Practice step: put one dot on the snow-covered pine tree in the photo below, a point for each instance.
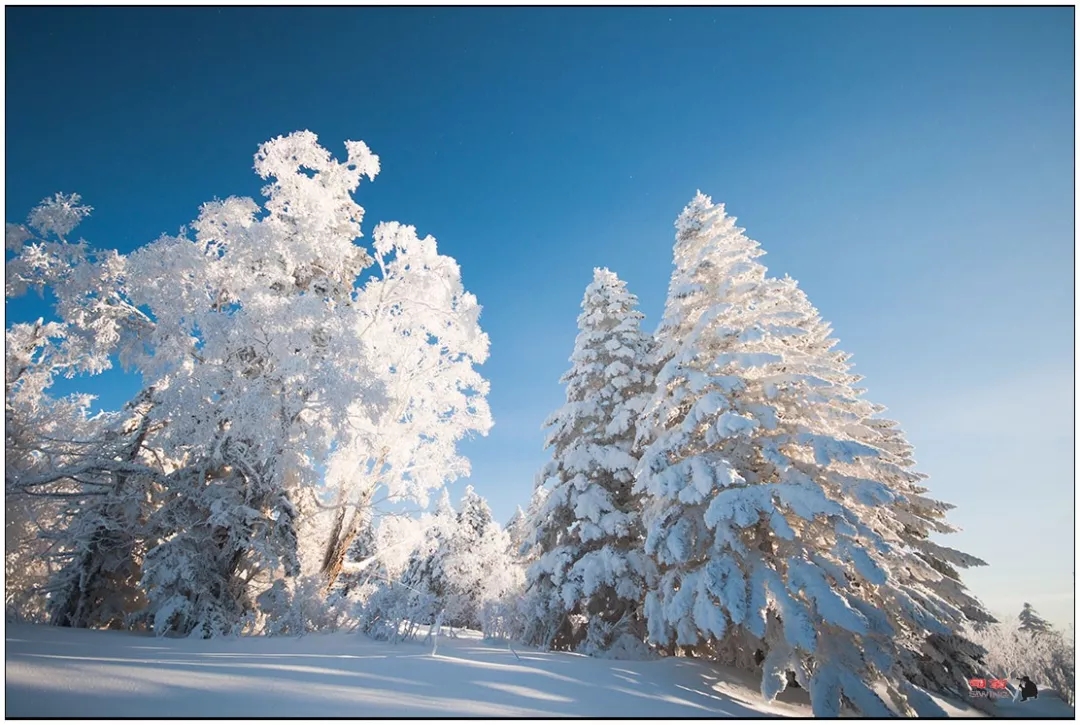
(517, 530)
(772, 522)
(587, 531)
(1031, 622)
(479, 566)
(424, 583)
(466, 561)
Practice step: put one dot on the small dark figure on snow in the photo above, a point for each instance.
(1028, 689)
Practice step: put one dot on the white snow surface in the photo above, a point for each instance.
(60, 672)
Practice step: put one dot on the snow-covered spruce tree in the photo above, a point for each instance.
(772, 522)
(1030, 621)
(517, 530)
(463, 566)
(588, 532)
(269, 364)
(539, 614)
(467, 561)
(940, 661)
(479, 567)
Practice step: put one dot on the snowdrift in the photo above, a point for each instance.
(55, 672)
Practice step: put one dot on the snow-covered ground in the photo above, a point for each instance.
(53, 672)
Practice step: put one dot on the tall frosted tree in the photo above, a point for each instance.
(940, 660)
(773, 511)
(587, 528)
(275, 364)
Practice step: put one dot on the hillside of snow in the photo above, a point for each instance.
(55, 672)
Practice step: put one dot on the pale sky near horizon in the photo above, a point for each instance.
(913, 168)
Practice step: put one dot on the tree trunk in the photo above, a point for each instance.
(341, 539)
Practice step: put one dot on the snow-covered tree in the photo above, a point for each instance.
(363, 548)
(1030, 621)
(422, 330)
(587, 532)
(103, 544)
(464, 563)
(940, 661)
(45, 440)
(459, 574)
(774, 512)
(272, 369)
(481, 568)
(76, 501)
(517, 530)
(417, 595)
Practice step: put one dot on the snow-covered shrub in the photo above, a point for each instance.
(295, 606)
(503, 618)
(397, 612)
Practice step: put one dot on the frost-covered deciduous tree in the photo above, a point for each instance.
(587, 532)
(49, 442)
(422, 331)
(102, 545)
(272, 367)
(76, 488)
(774, 513)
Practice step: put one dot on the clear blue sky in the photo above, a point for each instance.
(912, 167)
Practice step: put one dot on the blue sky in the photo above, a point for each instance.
(911, 167)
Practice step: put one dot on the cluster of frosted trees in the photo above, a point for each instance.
(722, 489)
(292, 381)
(460, 572)
(1029, 646)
